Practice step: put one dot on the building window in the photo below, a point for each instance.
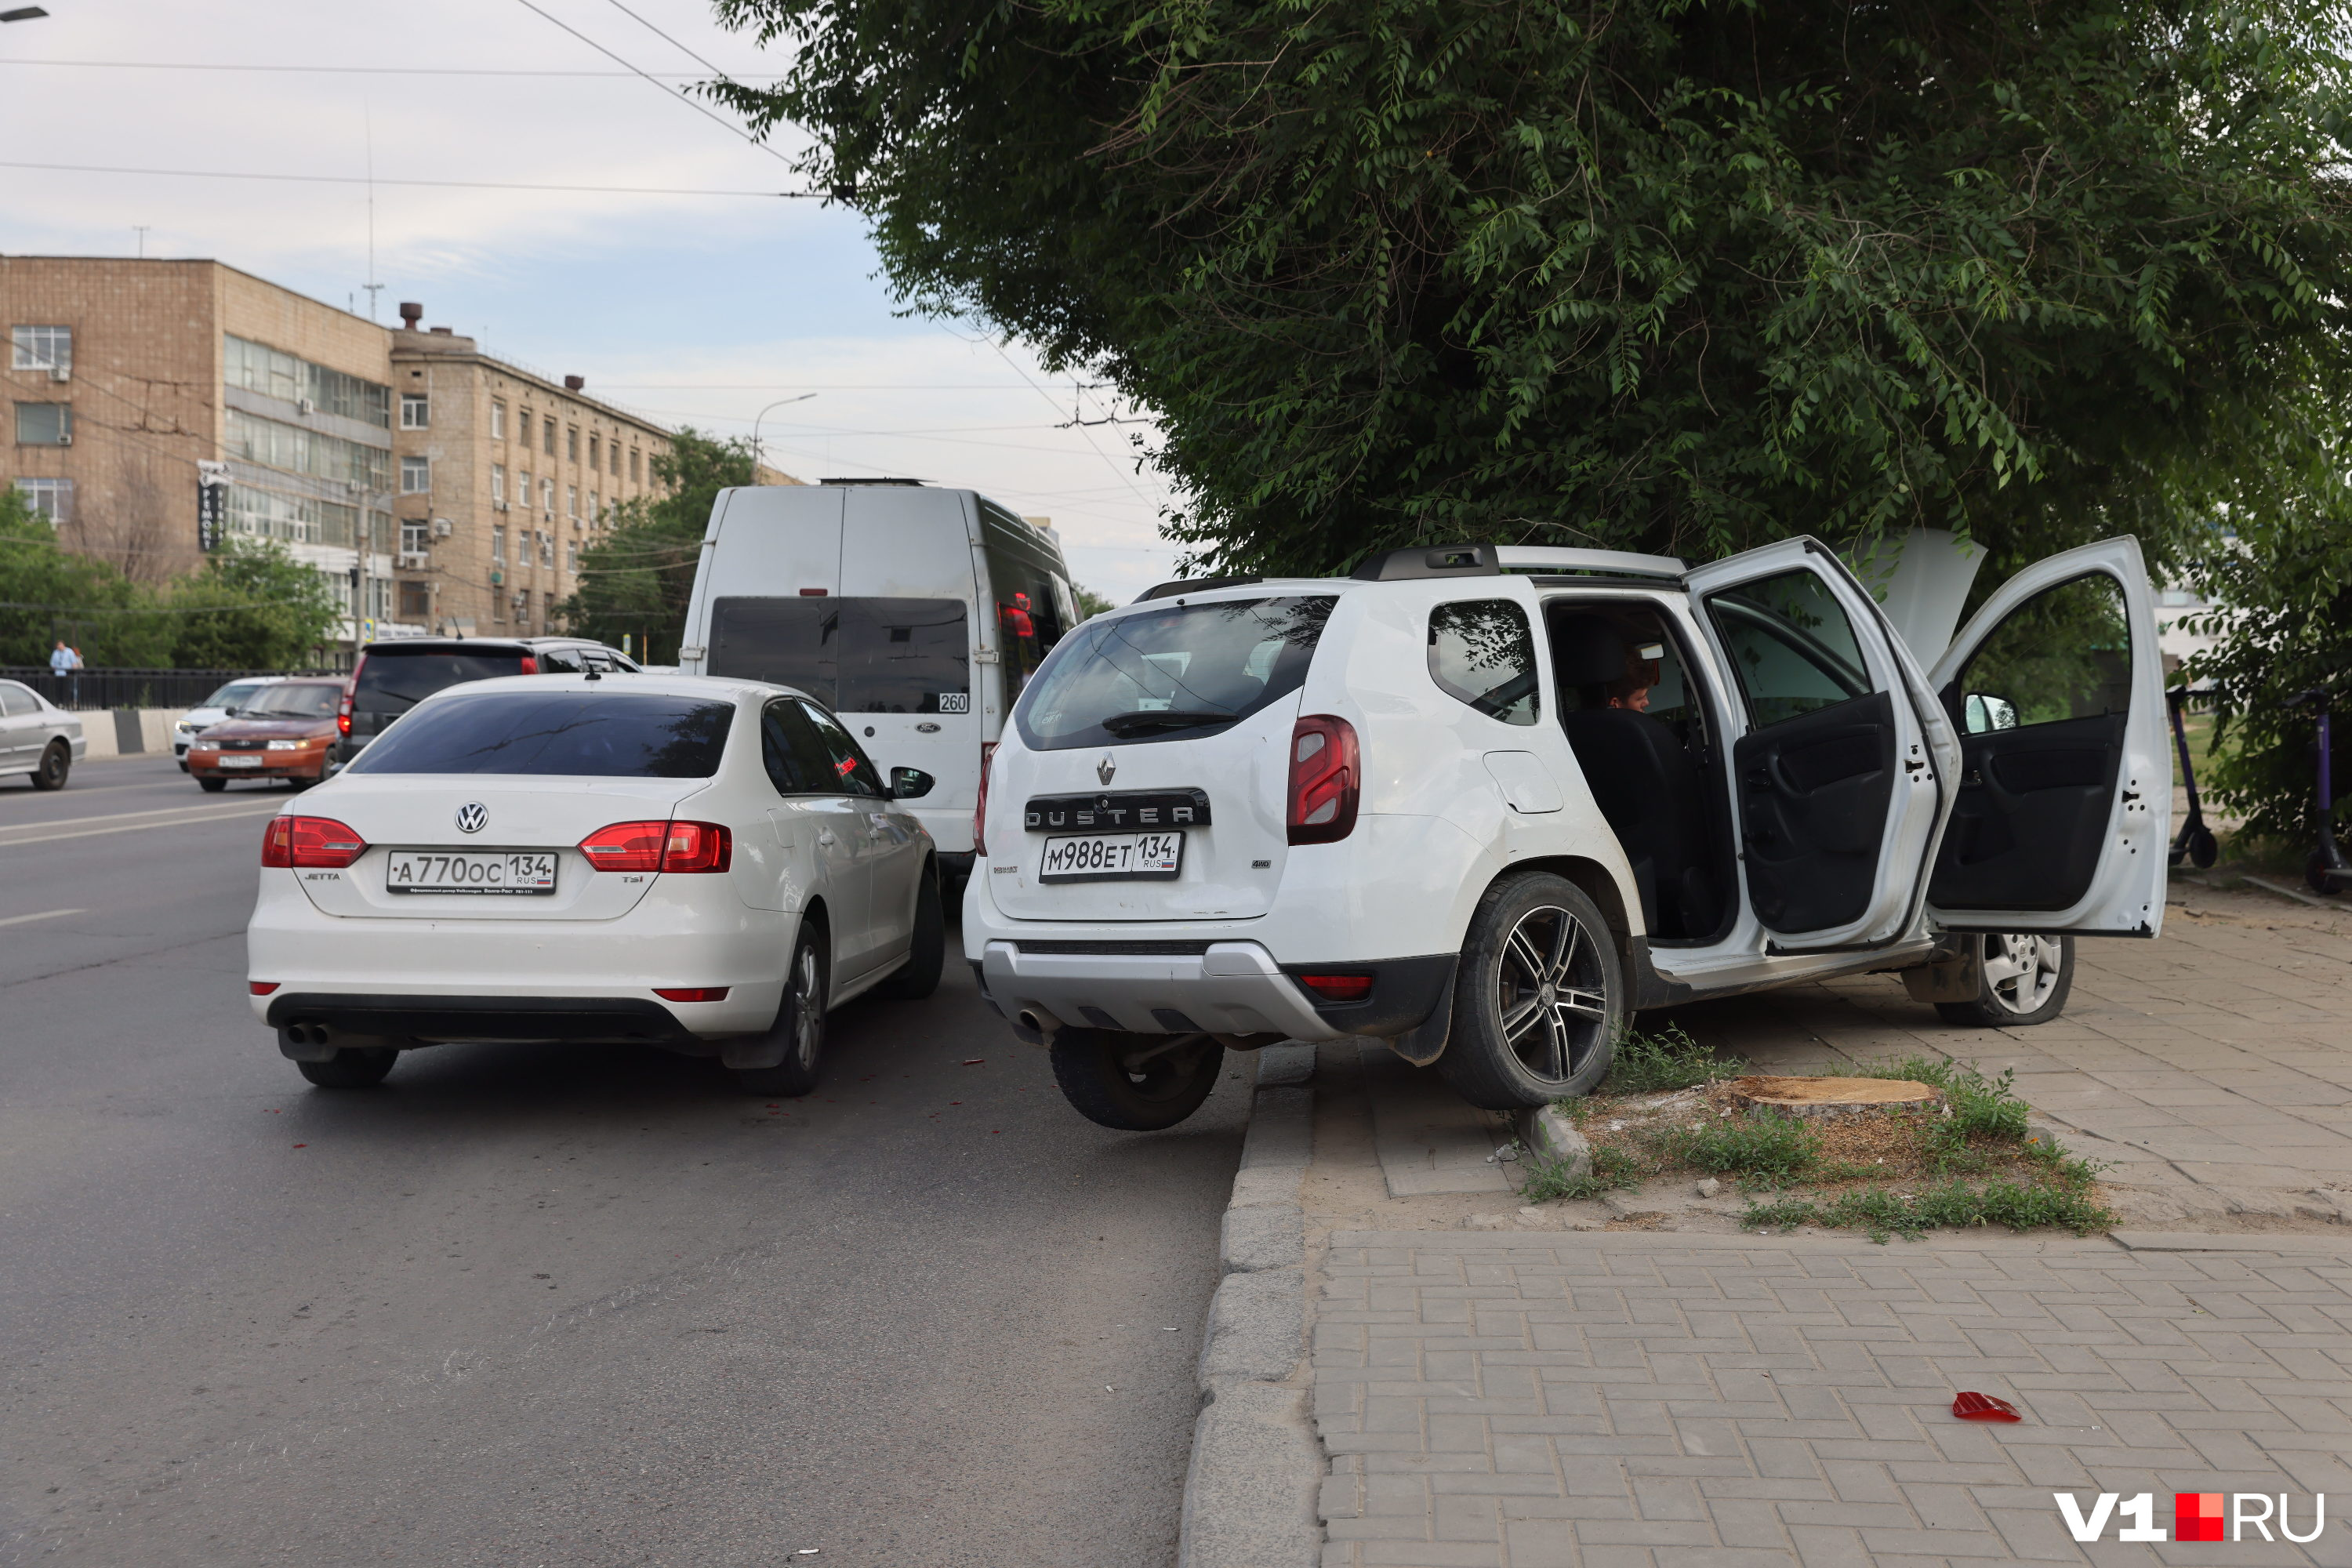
(595, 506)
(497, 482)
(415, 601)
(498, 544)
(40, 348)
(547, 551)
(571, 558)
(52, 498)
(522, 605)
(523, 429)
(571, 443)
(415, 475)
(633, 466)
(547, 494)
(547, 435)
(412, 411)
(299, 449)
(45, 424)
(498, 420)
(256, 367)
(571, 498)
(595, 452)
(416, 538)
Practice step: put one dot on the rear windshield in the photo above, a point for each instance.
(1181, 671)
(854, 654)
(579, 734)
(298, 700)
(393, 683)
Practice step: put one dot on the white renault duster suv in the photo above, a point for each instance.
(1485, 803)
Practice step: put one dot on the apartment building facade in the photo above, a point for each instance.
(436, 488)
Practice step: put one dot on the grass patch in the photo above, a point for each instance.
(1547, 1180)
(1648, 1064)
(1882, 1213)
(1767, 1148)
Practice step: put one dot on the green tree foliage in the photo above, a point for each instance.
(47, 593)
(637, 580)
(251, 606)
(1682, 275)
(1089, 602)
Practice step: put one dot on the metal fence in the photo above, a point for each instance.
(88, 690)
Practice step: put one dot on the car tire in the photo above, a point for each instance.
(2020, 980)
(56, 763)
(801, 1015)
(927, 951)
(212, 786)
(1093, 1067)
(1540, 999)
(352, 1067)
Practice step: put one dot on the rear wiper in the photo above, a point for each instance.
(1164, 718)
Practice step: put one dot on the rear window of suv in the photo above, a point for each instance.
(391, 684)
(1180, 671)
(637, 735)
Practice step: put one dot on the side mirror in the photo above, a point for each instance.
(910, 783)
(1984, 713)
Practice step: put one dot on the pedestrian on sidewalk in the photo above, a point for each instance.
(65, 666)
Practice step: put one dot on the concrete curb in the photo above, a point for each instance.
(1548, 1135)
(1257, 1470)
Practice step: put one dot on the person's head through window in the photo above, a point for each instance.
(1631, 689)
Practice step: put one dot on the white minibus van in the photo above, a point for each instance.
(914, 612)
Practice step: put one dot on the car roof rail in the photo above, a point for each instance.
(1192, 586)
(1609, 563)
(1425, 561)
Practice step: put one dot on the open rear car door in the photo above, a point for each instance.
(2056, 689)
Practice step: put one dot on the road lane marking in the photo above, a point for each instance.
(112, 817)
(136, 827)
(44, 915)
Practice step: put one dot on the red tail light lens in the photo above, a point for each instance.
(691, 993)
(343, 709)
(1338, 987)
(1325, 770)
(530, 664)
(310, 843)
(261, 987)
(660, 847)
(979, 812)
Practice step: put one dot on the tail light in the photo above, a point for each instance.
(530, 664)
(1338, 987)
(1324, 774)
(660, 847)
(979, 812)
(350, 688)
(310, 843)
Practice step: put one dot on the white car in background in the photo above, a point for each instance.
(37, 736)
(225, 703)
(702, 864)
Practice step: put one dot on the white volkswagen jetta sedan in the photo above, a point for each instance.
(702, 864)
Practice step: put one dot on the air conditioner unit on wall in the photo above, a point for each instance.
(441, 527)
(413, 559)
(304, 405)
(60, 372)
(64, 440)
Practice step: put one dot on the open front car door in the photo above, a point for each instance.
(2065, 800)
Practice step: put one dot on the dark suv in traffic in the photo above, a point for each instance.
(393, 677)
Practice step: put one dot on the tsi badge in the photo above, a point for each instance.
(2196, 1516)
(473, 816)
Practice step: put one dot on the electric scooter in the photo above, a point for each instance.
(2194, 842)
(2326, 872)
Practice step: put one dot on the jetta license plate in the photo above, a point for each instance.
(526, 873)
(1103, 857)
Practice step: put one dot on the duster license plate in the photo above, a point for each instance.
(1112, 856)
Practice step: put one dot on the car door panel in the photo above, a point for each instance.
(2057, 688)
(822, 829)
(1814, 795)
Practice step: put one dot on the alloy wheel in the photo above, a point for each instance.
(1551, 992)
(2020, 971)
(808, 1007)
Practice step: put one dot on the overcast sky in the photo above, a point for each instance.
(696, 309)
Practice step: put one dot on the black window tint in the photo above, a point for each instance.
(559, 661)
(1481, 652)
(391, 684)
(857, 654)
(797, 759)
(2064, 652)
(845, 759)
(1171, 670)
(1792, 649)
(579, 734)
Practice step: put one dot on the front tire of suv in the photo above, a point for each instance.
(1540, 999)
(1130, 1082)
(2022, 980)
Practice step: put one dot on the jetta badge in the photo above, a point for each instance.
(473, 816)
(1106, 768)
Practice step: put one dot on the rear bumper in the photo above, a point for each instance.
(1226, 988)
(481, 1017)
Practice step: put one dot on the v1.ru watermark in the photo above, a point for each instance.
(2196, 1516)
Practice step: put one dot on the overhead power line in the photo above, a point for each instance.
(715, 119)
(376, 70)
(382, 180)
(666, 39)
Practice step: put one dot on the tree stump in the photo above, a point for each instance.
(1827, 1099)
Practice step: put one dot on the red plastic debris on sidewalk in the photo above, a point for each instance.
(1983, 1407)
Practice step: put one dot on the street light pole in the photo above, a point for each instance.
(759, 454)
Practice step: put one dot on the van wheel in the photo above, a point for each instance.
(355, 1067)
(2020, 980)
(800, 1019)
(920, 976)
(1135, 1083)
(54, 763)
(1540, 1000)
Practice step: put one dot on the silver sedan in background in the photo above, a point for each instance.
(36, 737)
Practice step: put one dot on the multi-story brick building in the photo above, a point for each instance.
(438, 489)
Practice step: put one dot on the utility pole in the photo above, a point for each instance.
(143, 228)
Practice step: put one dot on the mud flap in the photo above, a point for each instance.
(1425, 1041)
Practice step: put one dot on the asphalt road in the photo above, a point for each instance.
(531, 1305)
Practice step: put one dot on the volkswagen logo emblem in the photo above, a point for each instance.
(473, 816)
(1106, 768)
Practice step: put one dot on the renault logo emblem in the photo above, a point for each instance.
(1106, 768)
(473, 816)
